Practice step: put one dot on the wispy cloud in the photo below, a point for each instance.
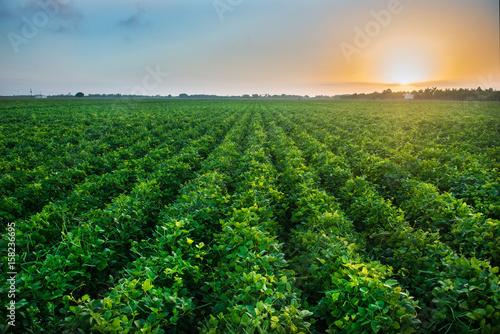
(65, 16)
(134, 20)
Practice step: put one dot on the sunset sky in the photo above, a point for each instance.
(232, 47)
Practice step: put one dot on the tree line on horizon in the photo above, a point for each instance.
(460, 94)
(448, 94)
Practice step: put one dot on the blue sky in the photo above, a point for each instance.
(245, 46)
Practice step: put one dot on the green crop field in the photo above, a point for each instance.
(249, 216)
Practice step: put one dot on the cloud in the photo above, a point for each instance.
(70, 12)
(70, 18)
(64, 16)
(134, 20)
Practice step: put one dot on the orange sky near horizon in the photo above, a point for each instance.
(424, 44)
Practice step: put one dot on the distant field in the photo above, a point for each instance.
(234, 216)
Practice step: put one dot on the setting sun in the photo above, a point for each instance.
(404, 72)
(406, 66)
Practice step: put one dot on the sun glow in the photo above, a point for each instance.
(405, 72)
(407, 66)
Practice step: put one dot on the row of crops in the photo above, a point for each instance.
(250, 216)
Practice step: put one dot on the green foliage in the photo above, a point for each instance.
(222, 216)
(350, 294)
